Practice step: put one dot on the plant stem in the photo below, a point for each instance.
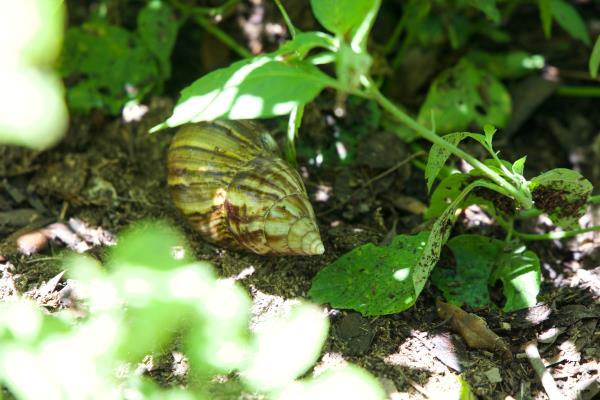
(579, 91)
(426, 133)
(222, 36)
(286, 18)
(555, 235)
(594, 199)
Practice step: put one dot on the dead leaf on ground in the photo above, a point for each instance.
(473, 329)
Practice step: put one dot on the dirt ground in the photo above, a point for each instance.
(108, 174)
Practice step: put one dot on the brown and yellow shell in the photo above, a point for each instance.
(226, 178)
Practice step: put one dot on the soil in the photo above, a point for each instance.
(108, 174)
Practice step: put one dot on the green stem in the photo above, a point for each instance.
(594, 199)
(579, 91)
(387, 105)
(222, 36)
(555, 235)
(286, 18)
(292, 132)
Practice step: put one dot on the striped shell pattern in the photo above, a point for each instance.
(227, 180)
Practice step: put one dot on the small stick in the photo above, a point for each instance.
(533, 355)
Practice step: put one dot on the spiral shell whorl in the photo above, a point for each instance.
(226, 178)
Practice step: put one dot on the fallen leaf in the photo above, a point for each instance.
(473, 329)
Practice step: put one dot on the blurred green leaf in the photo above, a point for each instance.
(569, 19)
(32, 110)
(351, 65)
(31, 31)
(151, 245)
(545, 17)
(110, 61)
(304, 42)
(255, 88)
(465, 95)
(370, 279)
(286, 347)
(595, 59)
(157, 27)
(488, 7)
(348, 382)
(340, 17)
(514, 64)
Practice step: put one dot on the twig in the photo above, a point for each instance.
(533, 355)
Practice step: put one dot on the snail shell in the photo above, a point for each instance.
(225, 177)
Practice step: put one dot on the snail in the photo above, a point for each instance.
(227, 180)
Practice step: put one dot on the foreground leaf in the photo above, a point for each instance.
(286, 347)
(348, 382)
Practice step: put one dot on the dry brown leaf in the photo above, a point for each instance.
(473, 329)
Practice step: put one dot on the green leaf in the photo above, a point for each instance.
(438, 155)
(286, 347)
(488, 7)
(385, 280)
(110, 61)
(304, 42)
(370, 279)
(157, 27)
(260, 87)
(513, 64)
(341, 16)
(447, 190)
(439, 236)
(595, 59)
(569, 19)
(482, 261)
(489, 131)
(521, 276)
(351, 66)
(162, 239)
(545, 17)
(519, 166)
(475, 258)
(465, 95)
(563, 194)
